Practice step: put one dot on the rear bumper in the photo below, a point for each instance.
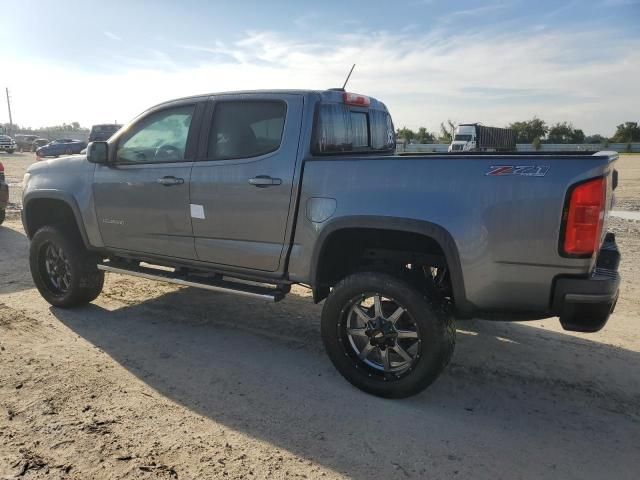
(4, 195)
(584, 304)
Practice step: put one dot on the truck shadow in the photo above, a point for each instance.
(260, 369)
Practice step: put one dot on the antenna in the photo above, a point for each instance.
(348, 76)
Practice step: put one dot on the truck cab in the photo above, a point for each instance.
(464, 139)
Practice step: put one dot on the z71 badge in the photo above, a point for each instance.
(522, 170)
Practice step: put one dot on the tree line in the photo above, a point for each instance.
(64, 127)
(534, 131)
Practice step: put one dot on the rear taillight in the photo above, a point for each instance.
(583, 218)
(355, 99)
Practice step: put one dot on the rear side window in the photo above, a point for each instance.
(340, 128)
(244, 129)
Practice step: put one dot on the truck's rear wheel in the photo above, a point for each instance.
(64, 272)
(384, 336)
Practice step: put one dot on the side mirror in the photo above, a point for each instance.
(98, 152)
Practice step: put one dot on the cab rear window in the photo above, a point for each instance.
(340, 128)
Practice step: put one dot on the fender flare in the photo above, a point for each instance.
(438, 233)
(59, 195)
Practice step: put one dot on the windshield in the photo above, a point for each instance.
(462, 138)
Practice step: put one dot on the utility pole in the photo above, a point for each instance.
(9, 107)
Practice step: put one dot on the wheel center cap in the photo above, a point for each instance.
(381, 332)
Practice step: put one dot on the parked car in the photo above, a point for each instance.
(251, 192)
(4, 194)
(39, 142)
(7, 144)
(63, 146)
(24, 142)
(103, 132)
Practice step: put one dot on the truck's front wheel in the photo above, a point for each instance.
(64, 272)
(384, 336)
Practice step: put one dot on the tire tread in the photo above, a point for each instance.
(88, 281)
(435, 314)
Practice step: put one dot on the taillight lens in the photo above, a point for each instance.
(356, 99)
(584, 218)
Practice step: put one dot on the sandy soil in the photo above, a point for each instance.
(154, 381)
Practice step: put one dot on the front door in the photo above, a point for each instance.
(142, 198)
(241, 188)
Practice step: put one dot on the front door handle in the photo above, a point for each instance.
(262, 181)
(169, 180)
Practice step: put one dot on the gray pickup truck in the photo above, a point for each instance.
(251, 192)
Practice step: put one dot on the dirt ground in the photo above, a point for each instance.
(157, 381)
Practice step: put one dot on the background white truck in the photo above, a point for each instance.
(473, 137)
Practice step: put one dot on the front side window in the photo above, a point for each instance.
(243, 129)
(159, 138)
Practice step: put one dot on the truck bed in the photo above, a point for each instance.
(556, 155)
(503, 228)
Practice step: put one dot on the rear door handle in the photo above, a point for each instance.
(262, 181)
(169, 180)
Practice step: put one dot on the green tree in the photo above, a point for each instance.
(405, 133)
(577, 136)
(530, 130)
(565, 133)
(446, 131)
(627, 132)
(423, 136)
(595, 138)
(64, 127)
(560, 133)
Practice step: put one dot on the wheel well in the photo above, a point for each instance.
(410, 254)
(42, 212)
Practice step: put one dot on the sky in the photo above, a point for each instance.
(493, 62)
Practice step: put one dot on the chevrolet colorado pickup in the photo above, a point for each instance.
(251, 192)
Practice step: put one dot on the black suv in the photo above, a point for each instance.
(103, 132)
(25, 142)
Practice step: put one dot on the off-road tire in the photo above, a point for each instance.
(86, 281)
(3, 215)
(433, 321)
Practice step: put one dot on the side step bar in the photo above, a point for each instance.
(218, 284)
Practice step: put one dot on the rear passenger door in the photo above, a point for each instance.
(241, 185)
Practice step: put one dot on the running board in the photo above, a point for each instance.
(218, 284)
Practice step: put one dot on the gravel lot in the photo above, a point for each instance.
(157, 381)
